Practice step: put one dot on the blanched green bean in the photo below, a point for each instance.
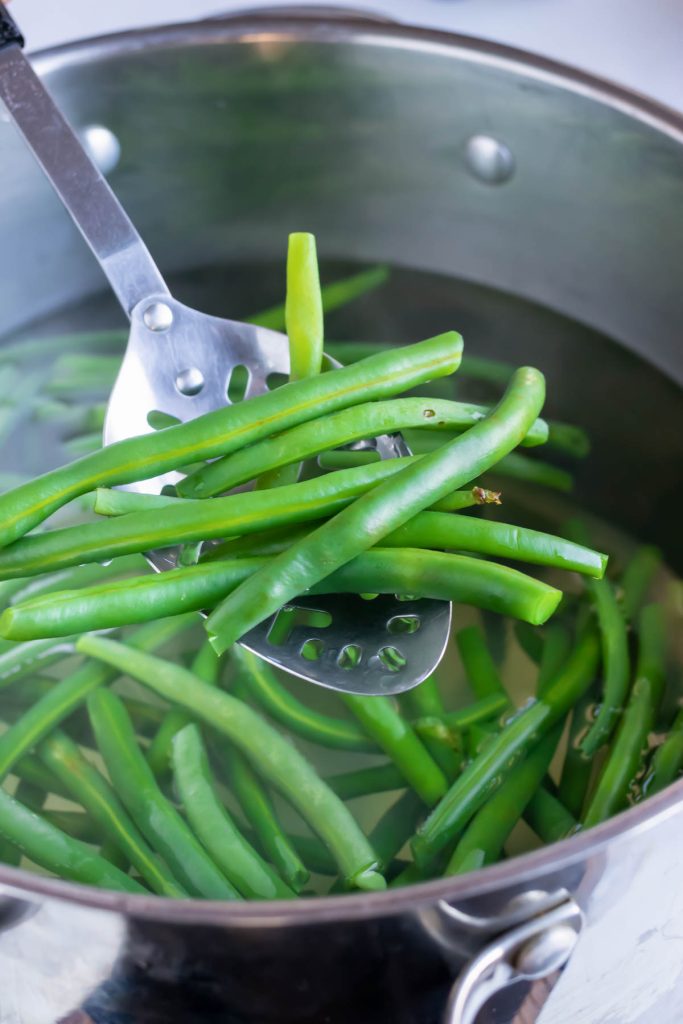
(424, 701)
(479, 666)
(276, 759)
(395, 827)
(225, 430)
(637, 579)
(667, 760)
(578, 766)
(557, 645)
(247, 871)
(548, 817)
(616, 664)
(380, 778)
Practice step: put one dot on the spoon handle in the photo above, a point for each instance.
(106, 227)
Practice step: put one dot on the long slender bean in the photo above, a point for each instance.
(578, 766)
(55, 850)
(276, 758)
(557, 644)
(479, 666)
(395, 827)
(488, 770)
(637, 579)
(334, 295)
(18, 660)
(667, 759)
(483, 710)
(381, 778)
(258, 808)
(492, 824)
(247, 871)
(260, 681)
(548, 817)
(154, 815)
(225, 430)
(90, 789)
(378, 512)
(623, 762)
(424, 701)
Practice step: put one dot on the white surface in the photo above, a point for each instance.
(637, 43)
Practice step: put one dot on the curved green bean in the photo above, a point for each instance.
(557, 644)
(637, 579)
(548, 817)
(89, 788)
(667, 759)
(276, 758)
(154, 815)
(485, 774)
(395, 827)
(58, 852)
(380, 778)
(479, 666)
(443, 743)
(247, 871)
(227, 429)
(616, 664)
(378, 512)
(625, 756)
(578, 766)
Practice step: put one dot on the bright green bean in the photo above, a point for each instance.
(483, 710)
(226, 429)
(334, 295)
(625, 756)
(557, 645)
(667, 759)
(55, 850)
(260, 682)
(616, 666)
(485, 774)
(479, 666)
(637, 579)
(18, 660)
(154, 815)
(381, 778)
(371, 419)
(247, 871)
(478, 368)
(578, 766)
(303, 307)
(493, 823)
(548, 817)
(395, 827)
(275, 758)
(90, 789)
(424, 701)
(378, 512)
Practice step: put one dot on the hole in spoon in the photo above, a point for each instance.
(350, 656)
(276, 380)
(190, 382)
(403, 624)
(392, 658)
(237, 384)
(158, 419)
(291, 617)
(312, 649)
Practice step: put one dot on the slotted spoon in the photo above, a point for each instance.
(179, 362)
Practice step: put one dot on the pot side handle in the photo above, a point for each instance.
(535, 950)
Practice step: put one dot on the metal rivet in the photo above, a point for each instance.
(158, 316)
(489, 160)
(103, 147)
(190, 382)
(546, 952)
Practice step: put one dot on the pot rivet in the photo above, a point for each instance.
(546, 952)
(489, 160)
(103, 148)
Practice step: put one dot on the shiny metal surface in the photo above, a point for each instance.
(379, 173)
(179, 361)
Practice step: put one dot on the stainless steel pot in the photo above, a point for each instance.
(447, 155)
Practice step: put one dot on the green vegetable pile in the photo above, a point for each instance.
(164, 757)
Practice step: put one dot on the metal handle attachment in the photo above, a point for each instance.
(83, 190)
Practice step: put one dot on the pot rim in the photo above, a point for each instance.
(334, 26)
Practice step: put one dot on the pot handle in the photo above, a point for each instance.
(536, 950)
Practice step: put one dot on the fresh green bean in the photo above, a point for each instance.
(489, 370)
(334, 295)
(89, 788)
(259, 811)
(29, 348)
(18, 660)
(578, 766)
(276, 758)
(637, 579)
(395, 827)
(424, 701)
(74, 373)
(667, 759)
(247, 871)
(55, 850)
(24, 394)
(260, 682)
(348, 458)
(624, 760)
(530, 640)
(557, 644)
(362, 421)
(226, 429)
(380, 778)
(492, 824)
(424, 573)
(479, 666)
(399, 741)
(378, 512)
(484, 775)
(568, 438)
(483, 710)
(548, 817)
(154, 815)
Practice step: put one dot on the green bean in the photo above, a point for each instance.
(259, 811)
(395, 827)
(548, 817)
(75, 823)
(53, 849)
(399, 741)
(667, 760)
(157, 819)
(260, 681)
(111, 852)
(26, 348)
(251, 875)
(75, 373)
(89, 788)
(479, 711)
(83, 444)
(275, 758)
(334, 295)
(205, 666)
(10, 854)
(187, 521)
(623, 762)
(380, 778)
(370, 419)
(77, 418)
(19, 660)
(530, 640)
(500, 540)
(378, 512)
(578, 767)
(23, 396)
(557, 644)
(637, 579)
(479, 665)
(348, 458)
(442, 742)
(226, 429)
(476, 367)
(484, 775)
(493, 823)
(568, 438)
